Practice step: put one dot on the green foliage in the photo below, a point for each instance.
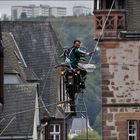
(23, 15)
(69, 29)
(98, 124)
(92, 135)
(93, 96)
(5, 17)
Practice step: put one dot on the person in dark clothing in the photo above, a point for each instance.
(72, 57)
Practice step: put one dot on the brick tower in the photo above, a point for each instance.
(120, 67)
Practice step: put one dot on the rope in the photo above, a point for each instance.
(102, 30)
(20, 112)
(86, 117)
(23, 111)
(28, 110)
(2, 120)
(7, 125)
(44, 105)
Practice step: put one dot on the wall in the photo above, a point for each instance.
(120, 70)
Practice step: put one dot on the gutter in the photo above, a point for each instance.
(16, 137)
(125, 34)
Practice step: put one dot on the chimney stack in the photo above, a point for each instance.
(1, 69)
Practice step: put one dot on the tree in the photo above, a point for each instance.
(5, 17)
(98, 124)
(23, 15)
(92, 135)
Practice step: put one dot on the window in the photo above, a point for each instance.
(109, 4)
(12, 79)
(132, 130)
(55, 132)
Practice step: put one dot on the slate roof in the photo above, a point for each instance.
(15, 120)
(13, 63)
(19, 106)
(30, 75)
(12, 60)
(39, 47)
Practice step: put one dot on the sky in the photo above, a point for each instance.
(5, 5)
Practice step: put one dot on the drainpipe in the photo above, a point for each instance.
(1, 69)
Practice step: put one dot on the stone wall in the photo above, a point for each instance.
(120, 72)
(115, 121)
(120, 68)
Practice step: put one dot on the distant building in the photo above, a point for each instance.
(34, 11)
(79, 125)
(57, 11)
(29, 11)
(80, 10)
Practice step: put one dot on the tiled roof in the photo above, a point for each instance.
(13, 63)
(12, 60)
(17, 116)
(39, 47)
(78, 124)
(18, 109)
(30, 75)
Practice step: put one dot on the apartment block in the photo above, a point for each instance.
(80, 10)
(35, 11)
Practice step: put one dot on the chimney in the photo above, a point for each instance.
(1, 69)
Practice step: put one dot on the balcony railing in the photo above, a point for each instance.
(114, 24)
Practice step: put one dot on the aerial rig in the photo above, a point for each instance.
(71, 85)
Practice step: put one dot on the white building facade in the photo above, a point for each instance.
(57, 11)
(81, 10)
(35, 11)
(30, 11)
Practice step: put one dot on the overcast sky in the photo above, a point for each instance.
(5, 5)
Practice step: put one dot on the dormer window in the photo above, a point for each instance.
(12, 79)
